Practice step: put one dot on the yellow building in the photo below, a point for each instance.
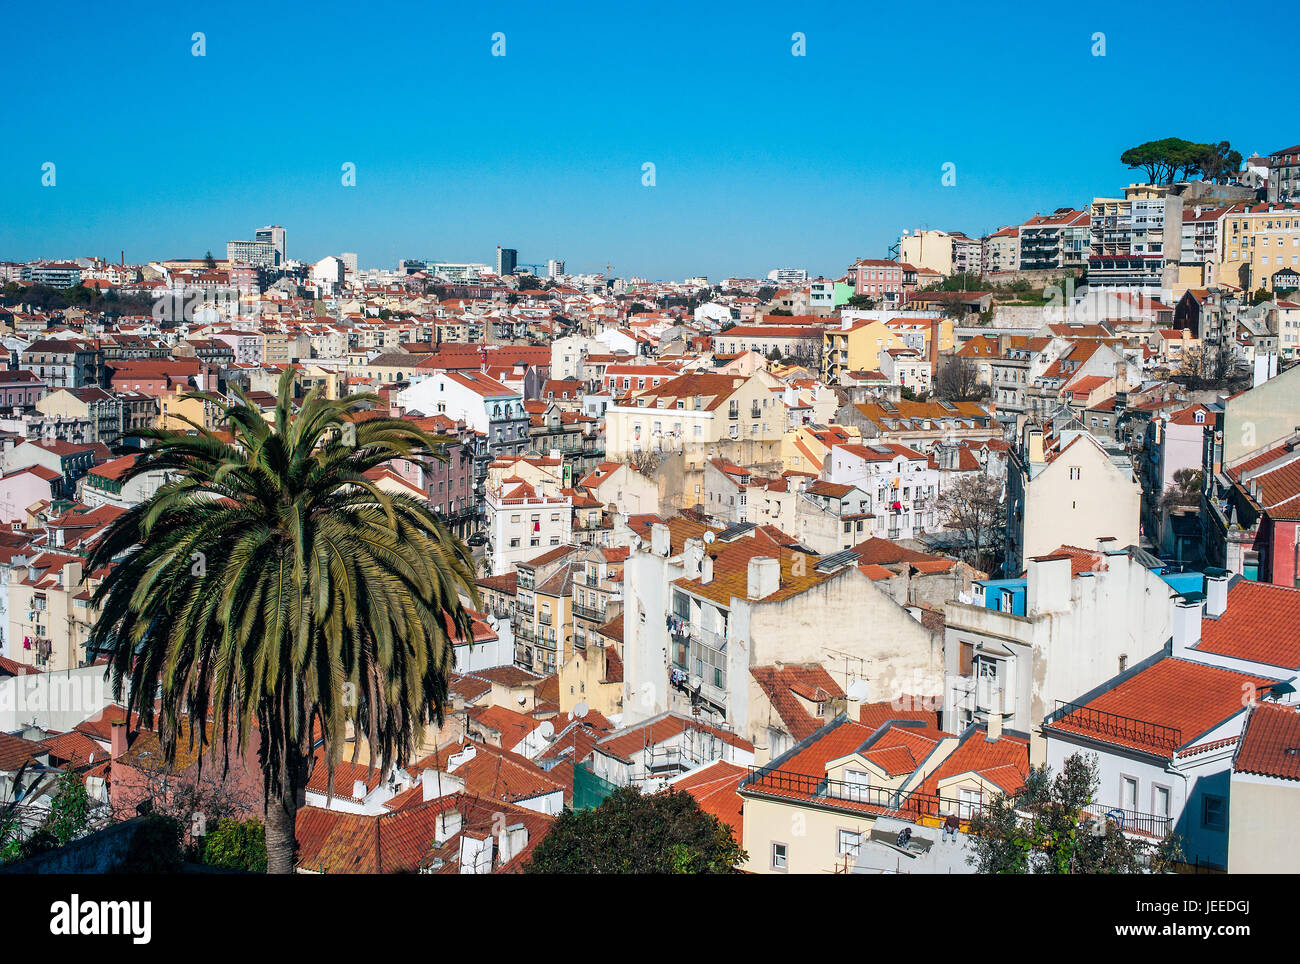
(177, 411)
(594, 675)
(805, 448)
(1256, 241)
(856, 347)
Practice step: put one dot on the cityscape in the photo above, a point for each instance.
(971, 547)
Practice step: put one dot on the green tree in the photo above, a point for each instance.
(235, 845)
(210, 261)
(1220, 162)
(1172, 158)
(69, 816)
(1184, 491)
(632, 833)
(273, 588)
(1045, 829)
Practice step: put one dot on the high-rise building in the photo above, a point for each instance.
(507, 260)
(273, 235)
(788, 276)
(267, 250)
(554, 268)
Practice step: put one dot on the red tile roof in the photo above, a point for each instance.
(784, 685)
(1163, 709)
(714, 789)
(1270, 742)
(1260, 624)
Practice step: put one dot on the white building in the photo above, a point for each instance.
(522, 523)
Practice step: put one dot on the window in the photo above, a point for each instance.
(1160, 801)
(847, 843)
(1214, 812)
(779, 857)
(1076, 472)
(857, 785)
(1128, 793)
(968, 802)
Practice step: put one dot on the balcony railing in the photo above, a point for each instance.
(587, 612)
(1112, 726)
(909, 804)
(1133, 821)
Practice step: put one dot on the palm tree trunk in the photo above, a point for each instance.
(282, 813)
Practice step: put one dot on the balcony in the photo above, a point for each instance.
(588, 613)
(544, 619)
(1133, 821)
(911, 805)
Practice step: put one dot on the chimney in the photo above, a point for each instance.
(359, 789)
(118, 741)
(693, 555)
(1187, 623)
(764, 577)
(429, 784)
(706, 569)
(660, 540)
(447, 826)
(993, 732)
(1216, 592)
(1048, 585)
(934, 340)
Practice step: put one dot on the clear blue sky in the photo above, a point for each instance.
(762, 159)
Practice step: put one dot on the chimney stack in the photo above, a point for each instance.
(1187, 624)
(993, 732)
(764, 577)
(660, 540)
(117, 742)
(1216, 592)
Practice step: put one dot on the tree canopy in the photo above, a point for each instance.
(632, 833)
(1172, 158)
(1046, 829)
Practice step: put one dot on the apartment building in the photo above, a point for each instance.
(1165, 734)
(704, 605)
(1257, 240)
(1076, 618)
(1054, 242)
(1135, 241)
(1073, 492)
(1284, 175)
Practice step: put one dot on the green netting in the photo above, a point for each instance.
(589, 790)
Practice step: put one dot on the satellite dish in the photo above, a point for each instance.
(547, 729)
(858, 690)
(522, 699)
(581, 710)
(709, 536)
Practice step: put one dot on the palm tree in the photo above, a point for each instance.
(272, 589)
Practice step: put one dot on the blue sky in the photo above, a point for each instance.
(762, 159)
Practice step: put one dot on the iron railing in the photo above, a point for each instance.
(1148, 735)
(910, 804)
(1133, 821)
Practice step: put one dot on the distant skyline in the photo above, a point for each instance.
(762, 159)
